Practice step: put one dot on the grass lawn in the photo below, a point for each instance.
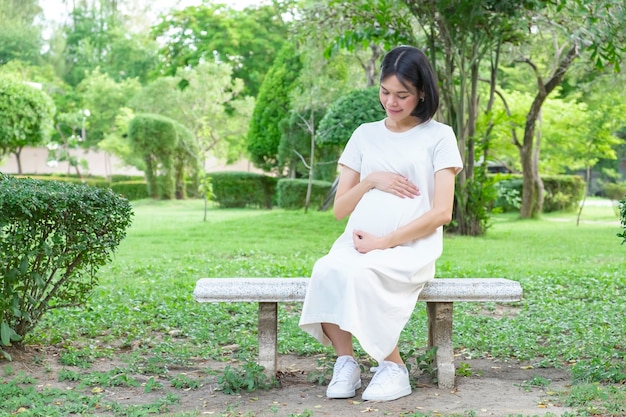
(572, 315)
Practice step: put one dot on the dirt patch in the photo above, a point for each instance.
(493, 389)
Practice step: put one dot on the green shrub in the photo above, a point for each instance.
(242, 189)
(291, 193)
(54, 236)
(509, 190)
(131, 190)
(124, 177)
(92, 181)
(562, 192)
(622, 216)
(613, 190)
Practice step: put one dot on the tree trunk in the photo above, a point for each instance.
(17, 154)
(530, 173)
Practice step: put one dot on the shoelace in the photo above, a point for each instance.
(343, 371)
(386, 372)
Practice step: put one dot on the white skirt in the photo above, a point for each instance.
(370, 295)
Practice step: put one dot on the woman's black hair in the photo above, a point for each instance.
(414, 71)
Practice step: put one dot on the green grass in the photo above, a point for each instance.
(572, 314)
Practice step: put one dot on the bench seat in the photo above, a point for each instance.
(439, 295)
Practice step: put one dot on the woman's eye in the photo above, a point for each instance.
(402, 98)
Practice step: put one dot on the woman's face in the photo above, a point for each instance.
(398, 100)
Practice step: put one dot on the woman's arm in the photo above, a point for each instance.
(350, 189)
(438, 215)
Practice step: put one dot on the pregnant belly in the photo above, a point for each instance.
(380, 213)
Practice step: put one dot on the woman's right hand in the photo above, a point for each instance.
(394, 184)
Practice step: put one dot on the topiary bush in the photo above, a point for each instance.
(54, 236)
(242, 189)
(291, 193)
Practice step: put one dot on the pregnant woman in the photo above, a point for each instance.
(397, 185)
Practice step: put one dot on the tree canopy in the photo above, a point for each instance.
(26, 115)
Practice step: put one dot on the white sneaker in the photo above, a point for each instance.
(390, 382)
(346, 378)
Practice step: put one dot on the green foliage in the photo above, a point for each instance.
(271, 108)
(248, 38)
(422, 360)
(509, 193)
(131, 190)
(243, 189)
(26, 114)
(182, 381)
(291, 193)
(563, 192)
(250, 377)
(613, 190)
(600, 370)
(474, 203)
(156, 139)
(19, 41)
(348, 113)
(105, 98)
(622, 219)
(54, 237)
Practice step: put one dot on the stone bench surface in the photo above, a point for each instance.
(294, 289)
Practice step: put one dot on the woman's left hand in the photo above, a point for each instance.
(365, 242)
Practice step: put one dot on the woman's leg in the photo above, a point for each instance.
(346, 372)
(395, 357)
(342, 340)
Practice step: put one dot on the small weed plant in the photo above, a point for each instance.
(249, 378)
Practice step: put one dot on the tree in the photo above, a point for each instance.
(364, 28)
(249, 40)
(103, 97)
(572, 28)
(271, 108)
(320, 82)
(26, 115)
(156, 139)
(211, 106)
(20, 36)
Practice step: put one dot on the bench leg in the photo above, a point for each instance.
(268, 337)
(440, 335)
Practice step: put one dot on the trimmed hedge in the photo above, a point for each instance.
(54, 236)
(291, 193)
(99, 182)
(234, 189)
(562, 192)
(131, 190)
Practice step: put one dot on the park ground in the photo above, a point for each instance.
(492, 388)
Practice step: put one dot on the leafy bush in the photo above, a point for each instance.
(613, 190)
(53, 238)
(243, 189)
(346, 114)
(509, 190)
(291, 193)
(92, 181)
(622, 216)
(562, 192)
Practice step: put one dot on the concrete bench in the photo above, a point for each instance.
(439, 295)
